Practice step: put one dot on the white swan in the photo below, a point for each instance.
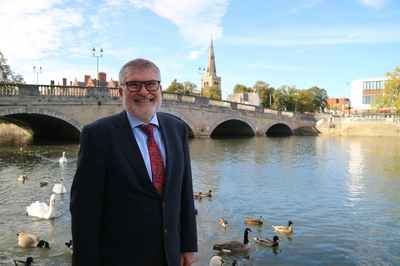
(59, 188)
(41, 210)
(63, 159)
(216, 261)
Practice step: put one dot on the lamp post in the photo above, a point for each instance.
(38, 72)
(101, 56)
(202, 73)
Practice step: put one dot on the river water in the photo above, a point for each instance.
(342, 194)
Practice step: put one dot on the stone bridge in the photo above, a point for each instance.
(62, 111)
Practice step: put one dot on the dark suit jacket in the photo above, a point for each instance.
(117, 215)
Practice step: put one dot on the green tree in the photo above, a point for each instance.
(241, 89)
(390, 97)
(264, 92)
(213, 92)
(189, 87)
(175, 87)
(318, 97)
(6, 74)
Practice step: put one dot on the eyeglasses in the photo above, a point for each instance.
(134, 86)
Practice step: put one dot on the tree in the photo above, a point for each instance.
(175, 87)
(264, 92)
(241, 89)
(213, 92)
(390, 97)
(318, 97)
(6, 74)
(189, 87)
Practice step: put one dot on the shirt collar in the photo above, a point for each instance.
(136, 122)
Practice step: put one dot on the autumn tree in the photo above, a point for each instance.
(189, 87)
(390, 97)
(264, 92)
(175, 87)
(213, 92)
(285, 98)
(6, 74)
(241, 89)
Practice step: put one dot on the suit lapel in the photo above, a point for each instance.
(131, 150)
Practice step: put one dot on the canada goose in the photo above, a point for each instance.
(198, 196)
(209, 194)
(223, 222)
(22, 178)
(283, 228)
(235, 246)
(41, 210)
(69, 245)
(59, 188)
(63, 159)
(26, 240)
(42, 184)
(28, 261)
(196, 211)
(267, 241)
(258, 220)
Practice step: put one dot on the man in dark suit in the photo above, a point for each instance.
(120, 213)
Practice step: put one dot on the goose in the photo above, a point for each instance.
(196, 211)
(258, 220)
(198, 196)
(223, 222)
(267, 241)
(235, 246)
(283, 228)
(59, 188)
(26, 240)
(22, 178)
(209, 194)
(69, 245)
(42, 184)
(41, 210)
(27, 262)
(63, 159)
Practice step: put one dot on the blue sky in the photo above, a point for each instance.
(306, 43)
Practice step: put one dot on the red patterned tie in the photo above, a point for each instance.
(157, 165)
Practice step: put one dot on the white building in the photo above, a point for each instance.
(363, 91)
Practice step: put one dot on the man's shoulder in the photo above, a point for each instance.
(104, 121)
(163, 117)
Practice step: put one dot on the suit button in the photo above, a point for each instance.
(163, 204)
(165, 230)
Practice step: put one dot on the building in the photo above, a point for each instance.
(251, 98)
(210, 77)
(338, 106)
(89, 82)
(362, 93)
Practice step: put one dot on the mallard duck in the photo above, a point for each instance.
(223, 222)
(27, 262)
(69, 245)
(209, 194)
(63, 159)
(216, 261)
(267, 241)
(258, 220)
(41, 210)
(198, 196)
(59, 188)
(22, 178)
(26, 240)
(235, 246)
(42, 184)
(284, 229)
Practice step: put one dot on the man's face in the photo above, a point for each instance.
(142, 104)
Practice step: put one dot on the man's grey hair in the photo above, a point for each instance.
(139, 64)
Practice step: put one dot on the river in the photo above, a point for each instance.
(342, 194)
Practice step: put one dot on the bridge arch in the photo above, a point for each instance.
(279, 128)
(232, 126)
(178, 115)
(43, 123)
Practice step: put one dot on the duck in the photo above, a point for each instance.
(235, 246)
(63, 159)
(42, 184)
(26, 240)
(69, 245)
(223, 222)
(258, 220)
(268, 242)
(216, 261)
(59, 188)
(26, 262)
(41, 210)
(283, 228)
(22, 178)
(209, 194)
(198, 196)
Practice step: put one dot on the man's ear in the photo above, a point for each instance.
(121, 92)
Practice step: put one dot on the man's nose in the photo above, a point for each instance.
(143, 89)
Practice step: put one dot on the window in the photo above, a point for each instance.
(367, 99)
(373, 85)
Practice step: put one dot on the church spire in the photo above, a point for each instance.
(211, 70)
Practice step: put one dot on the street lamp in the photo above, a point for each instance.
(38, 72)
(101, 56)
(202, 73)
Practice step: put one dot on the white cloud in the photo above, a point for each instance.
(376, 4)
(194, 54)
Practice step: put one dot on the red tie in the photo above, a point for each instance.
(157, 165)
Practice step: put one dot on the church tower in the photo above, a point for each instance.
(210, 77)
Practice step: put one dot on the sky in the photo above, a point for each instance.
(301, 43)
